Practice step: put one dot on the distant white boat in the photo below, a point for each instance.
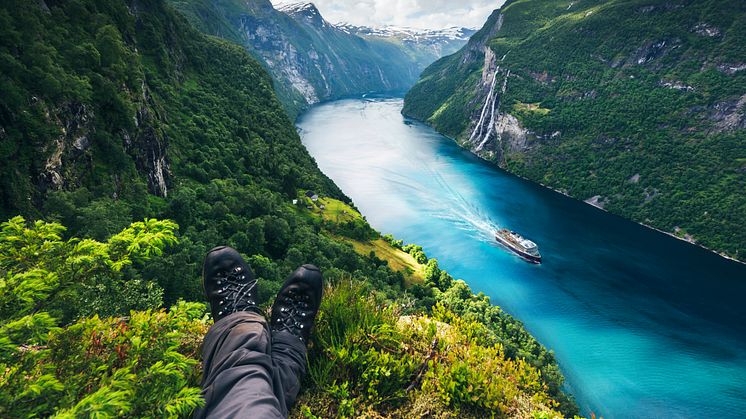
(521, 246)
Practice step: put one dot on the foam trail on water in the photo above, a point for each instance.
(455, 208)
(441, 199)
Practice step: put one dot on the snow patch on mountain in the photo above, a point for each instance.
(408, 33)
(304, 10)
(309, 11)
(299, 7)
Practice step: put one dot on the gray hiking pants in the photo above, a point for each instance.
(248, 372)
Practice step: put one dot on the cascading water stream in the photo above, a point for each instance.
(492, 102)
(480, 125)
(495, 111)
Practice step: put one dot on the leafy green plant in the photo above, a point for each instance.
(367, 359)
(474, 373)
(359, 346)
(43, 272)
(142, 364)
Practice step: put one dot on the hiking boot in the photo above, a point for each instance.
(298, 302)
(229, 283)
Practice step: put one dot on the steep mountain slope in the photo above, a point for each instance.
(107, 108)
(114, 112)
(310, 59)
(382, 66)
(635, 106)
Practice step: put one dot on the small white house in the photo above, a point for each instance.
(312, 195)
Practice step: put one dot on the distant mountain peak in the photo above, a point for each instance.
(298, 7)
(410, 34)
(303, 10)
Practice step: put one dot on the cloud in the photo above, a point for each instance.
(430, 14)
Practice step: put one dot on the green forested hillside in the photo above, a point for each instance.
(114, 113)
(636, 106)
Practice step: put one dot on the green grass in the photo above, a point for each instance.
(529, 108)
(337, 212)
(367, 360)
(397, 259)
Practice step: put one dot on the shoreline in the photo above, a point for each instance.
(694, 243)
(491, 163)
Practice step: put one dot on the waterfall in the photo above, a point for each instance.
(493, 103)
(489, 102)
(492, 123)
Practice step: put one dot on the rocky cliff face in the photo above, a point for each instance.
(70, 155)
(317, 60)
(78, 113)
(75, 145)
(583, 96)
(313, 60)
(148, 145)
(75, 124)
(290, 66)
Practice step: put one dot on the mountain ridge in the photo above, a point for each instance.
(310, 59)
(305, 10)
(437, 42)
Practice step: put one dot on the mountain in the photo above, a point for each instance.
(131, 144)
(311, 59)
(435, 43)
(637, 107)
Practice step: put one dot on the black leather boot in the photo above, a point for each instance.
(229, 283)
(298, 302)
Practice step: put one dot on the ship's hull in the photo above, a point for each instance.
(527, 257)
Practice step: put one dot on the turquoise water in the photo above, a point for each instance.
(643, 325)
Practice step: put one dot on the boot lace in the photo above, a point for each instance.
(237, 295)
(294, 312)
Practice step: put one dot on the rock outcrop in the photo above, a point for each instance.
(75, 123)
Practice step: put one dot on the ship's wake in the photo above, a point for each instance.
(440, 199)
(461, 212)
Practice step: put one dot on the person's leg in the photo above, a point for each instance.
(289, 360)
(239, 378)
(248, 370)
(293, 315)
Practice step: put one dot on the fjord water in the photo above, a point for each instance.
(643, 325)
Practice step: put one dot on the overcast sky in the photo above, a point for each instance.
(429, 14)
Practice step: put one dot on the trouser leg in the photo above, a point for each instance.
(289, 359)
(241, 378)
